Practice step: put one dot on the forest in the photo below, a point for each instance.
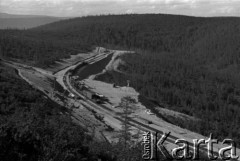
(33, 128)
(187, 64)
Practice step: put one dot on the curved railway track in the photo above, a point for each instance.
(107, 111)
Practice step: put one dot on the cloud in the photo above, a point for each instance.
(129, 11)
(93, 7)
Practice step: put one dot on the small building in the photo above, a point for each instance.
(98, 98)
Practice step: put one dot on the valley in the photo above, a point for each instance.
(104, 116)
(179, 73)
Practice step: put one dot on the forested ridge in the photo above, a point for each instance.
(188, 64)
(34, 128)
(34, 50)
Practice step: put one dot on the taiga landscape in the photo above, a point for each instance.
(86, 88)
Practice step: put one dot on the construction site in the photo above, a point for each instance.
(95, 104)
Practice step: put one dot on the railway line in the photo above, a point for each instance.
(137, 123)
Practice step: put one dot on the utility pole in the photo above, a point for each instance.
(128, 83)
(54, 81)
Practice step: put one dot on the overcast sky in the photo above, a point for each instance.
(73, 8)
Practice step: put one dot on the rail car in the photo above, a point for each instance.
(98, 98)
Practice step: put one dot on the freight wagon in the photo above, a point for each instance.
(93, 96)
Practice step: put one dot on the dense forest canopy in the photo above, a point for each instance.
(188, 64)
(154, 32)
(34, 128)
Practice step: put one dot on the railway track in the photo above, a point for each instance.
(139, 124)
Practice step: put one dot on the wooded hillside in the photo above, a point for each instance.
(188, 64)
